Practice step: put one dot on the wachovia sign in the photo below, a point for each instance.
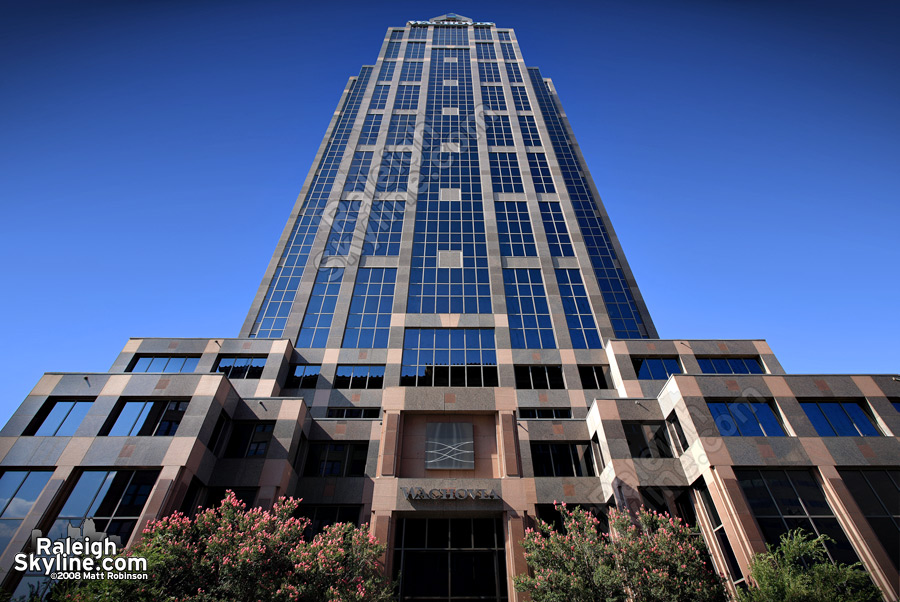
(420, 493)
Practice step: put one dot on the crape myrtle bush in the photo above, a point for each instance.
(646, 557)
(799, 570)
(230, 554)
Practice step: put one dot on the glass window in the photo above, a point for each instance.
(237, 367)
(515, 75)
(250, 438)
(392, 51)
(730, 365)
(493, 99)
(746, 419)
(369, 320)
(379, 97)
(656, 368)
(782, 500)
(505, 174)
(839, 418)
(446, 35)
(113, 499)
(485, 52)
(302, 376)
(514, 229)
(520, 98)
(562, 459)
(407, 97)
(544, 413)
(530, 133)
(540, 172)
(58, 419)
(354, 412)
(488, 72)
(337, 459)
(163, 363)
(530, 326)
(356, 182)
(498, 130)
(648, 439)
(369, 133)
(509, 53)
(324, 516)
(19, 490)
(320, 309)
(539, 377)
(503, 36)
(394, 174)
(443, 357)
(359, 377)
(145, 418)
(877, 493)
(385, 228)
(577, 307)
(593, 377)
(411, 72)
(482, 33)
(401, 130)
(415, 50)
(397, 34)
(556, 229)
(387, 71)
(418, 32)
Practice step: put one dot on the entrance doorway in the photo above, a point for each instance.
(450, 560)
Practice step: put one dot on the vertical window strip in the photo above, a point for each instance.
(509, 53)
(379, 97)
(384, 229)
(387, 71)
(320, 309)
(505, 174)
(556, 229)
(359, 171)
(401, 130)
(620, 304)
(415, 50)
(520, 98)
(514, 229)
(341, 235)
(540, 173)
(392, 51)
(512, 70)
(407, 98)
(394, 174)
(273, 313)
(577, 307)
(498, 130)
(369, 132)
(369, 320)
(493, 98)
(411, 72)
(485, 52)
(530, 326)
(529, 130)
(488, 72)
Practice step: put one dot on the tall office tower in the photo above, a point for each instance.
(447, 340)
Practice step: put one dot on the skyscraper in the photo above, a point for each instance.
(447, 340)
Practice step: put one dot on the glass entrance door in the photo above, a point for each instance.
(450, 559)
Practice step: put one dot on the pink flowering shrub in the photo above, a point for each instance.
(230, 553)
(648, 557)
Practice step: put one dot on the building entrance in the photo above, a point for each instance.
(450, 559)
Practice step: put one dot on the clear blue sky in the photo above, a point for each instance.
(748, 154)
